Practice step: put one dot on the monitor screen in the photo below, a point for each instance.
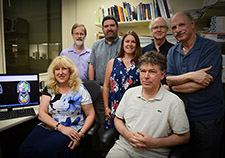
(19, 90)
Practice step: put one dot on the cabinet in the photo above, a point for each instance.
(17, 47)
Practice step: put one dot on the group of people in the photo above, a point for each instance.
(138, 94)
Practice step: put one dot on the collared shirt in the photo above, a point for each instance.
(102, 52)
(163, 48)
(207, 103)
(158, 117)
(79, 59)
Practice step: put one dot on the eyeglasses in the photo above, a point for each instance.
(159, 27)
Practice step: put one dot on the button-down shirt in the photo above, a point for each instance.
(101, 53)
(80, 60)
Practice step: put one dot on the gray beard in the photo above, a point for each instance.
(79, 43)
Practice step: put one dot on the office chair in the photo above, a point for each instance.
(84, 149)
(93, 88)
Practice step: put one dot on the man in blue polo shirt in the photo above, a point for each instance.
(194, 69)
(78, 53)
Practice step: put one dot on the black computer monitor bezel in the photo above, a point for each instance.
(10, 107)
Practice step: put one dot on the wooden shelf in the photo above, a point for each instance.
(131, 23)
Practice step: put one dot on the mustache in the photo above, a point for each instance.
(79, 39)
(179, 33)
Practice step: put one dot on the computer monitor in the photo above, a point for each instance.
(19, 90)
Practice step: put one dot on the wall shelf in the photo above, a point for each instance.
(131, 23)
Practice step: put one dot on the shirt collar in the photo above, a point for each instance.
(114, 41)
(85, 50)
(158, 96)
(195, 47)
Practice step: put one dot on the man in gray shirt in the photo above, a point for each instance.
(102, 51)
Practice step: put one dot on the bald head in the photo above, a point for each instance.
(182, 25)
(158, 20)
(185, 15)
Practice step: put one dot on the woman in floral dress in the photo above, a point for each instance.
(121, 74)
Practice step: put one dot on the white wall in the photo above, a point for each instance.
(69, 17)
(83, 11)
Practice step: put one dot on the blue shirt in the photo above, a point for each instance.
(207, 103)
(101, 53)
(80, 60)
(162, 49)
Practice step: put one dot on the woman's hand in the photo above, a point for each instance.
(70, 132)
(108, 113)
(73, 144)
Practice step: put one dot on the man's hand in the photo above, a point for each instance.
(202, 77)
(138, 141)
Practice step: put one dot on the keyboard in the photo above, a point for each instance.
(4, 115)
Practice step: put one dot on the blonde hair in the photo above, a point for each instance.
(74, 80)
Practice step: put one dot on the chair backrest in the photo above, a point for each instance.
(93, 88)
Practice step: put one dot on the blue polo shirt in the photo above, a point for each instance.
(204, 104)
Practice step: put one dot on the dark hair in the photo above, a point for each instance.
(109, 17)
(154, 58)
(78, 25)
(137, 52)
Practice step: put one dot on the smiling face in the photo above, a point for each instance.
(159, 28)
(62, 74)
(182, 27)
(150, 76)
(110, 29)
(129, 44)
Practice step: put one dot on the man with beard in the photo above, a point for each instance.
(194, 69)
(79, 53)
(102, 51)
(159, 28)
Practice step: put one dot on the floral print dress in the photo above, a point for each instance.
(121, 79)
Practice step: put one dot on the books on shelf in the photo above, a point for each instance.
(142, 11)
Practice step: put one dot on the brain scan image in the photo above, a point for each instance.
(23, 87)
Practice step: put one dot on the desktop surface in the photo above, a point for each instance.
(9, 123)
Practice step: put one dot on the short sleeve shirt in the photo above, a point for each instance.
(207, 103)
(102, 52)
(80, 60)
(66, 108)
(157, 117)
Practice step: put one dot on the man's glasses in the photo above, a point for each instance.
(159, 27)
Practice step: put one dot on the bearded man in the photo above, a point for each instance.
(79, 53)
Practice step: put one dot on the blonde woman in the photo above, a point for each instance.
(66, 113)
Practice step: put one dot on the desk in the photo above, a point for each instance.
(14, 131)
(6, 124)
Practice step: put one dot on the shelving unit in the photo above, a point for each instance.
(131, 24)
